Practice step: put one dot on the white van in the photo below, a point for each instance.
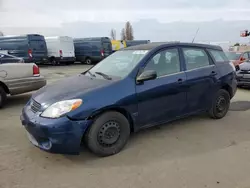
(60, 49)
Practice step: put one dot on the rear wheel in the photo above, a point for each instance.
(53, 61)
(108, 134)
(88, 61)
(220, 105)
(3, 97)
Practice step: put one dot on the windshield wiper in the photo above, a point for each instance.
(91, 74)
(104, 75)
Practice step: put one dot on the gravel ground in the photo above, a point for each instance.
(193, 152)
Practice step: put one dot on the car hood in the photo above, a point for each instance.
(245, 66)
(69, 88)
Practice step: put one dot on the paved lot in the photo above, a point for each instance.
(194, 152)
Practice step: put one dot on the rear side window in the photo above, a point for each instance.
(218, 56)
(195, 58)
(37, 45)
(107, 46)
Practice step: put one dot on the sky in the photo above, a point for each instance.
(58, 13)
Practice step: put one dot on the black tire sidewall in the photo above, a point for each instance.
(92, 141)
(3, 97)
(89, 60)
(213, 111)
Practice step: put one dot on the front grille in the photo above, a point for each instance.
(35, 106)
(244, 80)
(244, 72)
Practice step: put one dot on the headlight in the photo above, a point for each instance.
(61, 108)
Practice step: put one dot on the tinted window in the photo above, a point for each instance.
(107, 47)
(37, 45)
(219, 56)
(165, 62)
(233, 55)
(195, 58)
(245, 55)
(13, 44)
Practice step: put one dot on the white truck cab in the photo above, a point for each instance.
(60, 49)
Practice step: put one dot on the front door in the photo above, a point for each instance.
(164, 98)
(201, 77)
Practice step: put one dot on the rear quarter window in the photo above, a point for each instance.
(218, 56)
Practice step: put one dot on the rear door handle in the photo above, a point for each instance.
(213, 73)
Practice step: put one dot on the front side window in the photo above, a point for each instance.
(195, 58)
(165, 62)
(120, 63)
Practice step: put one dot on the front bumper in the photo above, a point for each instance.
(60, 135)
(243, 79)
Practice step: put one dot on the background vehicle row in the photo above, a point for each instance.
(61, 49)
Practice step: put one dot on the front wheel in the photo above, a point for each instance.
(108, 134)
(220, 105)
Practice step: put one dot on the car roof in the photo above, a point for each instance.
(154, 45)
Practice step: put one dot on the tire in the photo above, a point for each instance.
(88, 61)
(53, 62)
(96, 137)
(3, 97)
(220, 105)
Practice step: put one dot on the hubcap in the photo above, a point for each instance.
(221, 104)
(109, 133)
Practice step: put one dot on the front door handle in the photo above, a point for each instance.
(180, 80)
(213, 73)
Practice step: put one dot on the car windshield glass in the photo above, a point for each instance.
(233, 55)
(120, 63)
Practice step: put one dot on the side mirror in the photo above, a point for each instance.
(146, 75)
(242, 59)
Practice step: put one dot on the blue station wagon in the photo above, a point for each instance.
(134, 88)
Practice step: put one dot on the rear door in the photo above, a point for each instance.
(201, 75)
(107, 48)
(164, 98)
(67, 47)
(38, 49)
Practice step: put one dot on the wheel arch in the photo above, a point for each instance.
(5, 87)
(229, 89)
(116, 109)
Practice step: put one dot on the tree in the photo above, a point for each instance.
(113, 34)
(1, 33)
(123, 34)
(237, 44)
(127, 33)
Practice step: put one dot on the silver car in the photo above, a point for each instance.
(18, 78)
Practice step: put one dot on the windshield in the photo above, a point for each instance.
(233, 55)
(120, 63)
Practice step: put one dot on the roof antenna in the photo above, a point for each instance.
(195, 34)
